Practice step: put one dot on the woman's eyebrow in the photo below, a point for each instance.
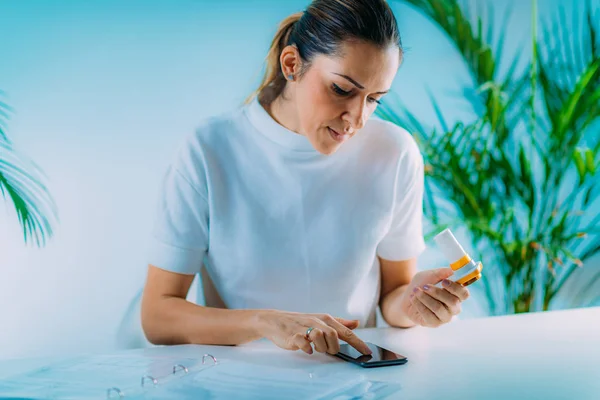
(358, 85)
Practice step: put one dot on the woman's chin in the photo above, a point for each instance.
(327, 148)
(325, 145)
(330, 151)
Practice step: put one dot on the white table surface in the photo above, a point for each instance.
(549, 355)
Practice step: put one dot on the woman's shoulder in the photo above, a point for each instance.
(205, 137)
(211, 132)
(216, 127)
(389, 138)
(393, 147)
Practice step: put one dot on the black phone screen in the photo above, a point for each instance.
(380, 355)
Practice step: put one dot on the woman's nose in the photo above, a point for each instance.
(354, 117)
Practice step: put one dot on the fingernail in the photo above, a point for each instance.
(416, 289)
(412, 295)
(445, 282)
(426, 287)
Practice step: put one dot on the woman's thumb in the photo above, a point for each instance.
(443, 273)
(436, 275)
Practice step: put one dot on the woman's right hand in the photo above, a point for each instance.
(288, 331)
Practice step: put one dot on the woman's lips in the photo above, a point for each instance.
(337, 136)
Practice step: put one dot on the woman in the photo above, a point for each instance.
(304, 214)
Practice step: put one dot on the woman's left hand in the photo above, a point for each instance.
(430, 306)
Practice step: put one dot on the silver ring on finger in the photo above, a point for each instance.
(307, 334)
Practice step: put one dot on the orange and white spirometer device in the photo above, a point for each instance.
(466, 270)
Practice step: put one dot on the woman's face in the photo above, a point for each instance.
(336, 95)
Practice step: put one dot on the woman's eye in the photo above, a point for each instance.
(339, 90)
(342, 92)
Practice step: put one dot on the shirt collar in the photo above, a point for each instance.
(266, 125)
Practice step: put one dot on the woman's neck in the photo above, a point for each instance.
(284, 112)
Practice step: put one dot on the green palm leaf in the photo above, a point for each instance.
(21, 182)
(5, 111)
(480, 52)
(569, 72)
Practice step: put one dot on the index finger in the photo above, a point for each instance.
(347, 335)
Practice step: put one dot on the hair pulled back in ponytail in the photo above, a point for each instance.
(273, 82)
(321, 29)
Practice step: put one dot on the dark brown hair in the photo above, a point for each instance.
(321, 29)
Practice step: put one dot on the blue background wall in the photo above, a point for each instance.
(103, 92)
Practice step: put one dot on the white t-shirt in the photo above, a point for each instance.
(279, 225)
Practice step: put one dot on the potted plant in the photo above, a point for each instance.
(520, 176)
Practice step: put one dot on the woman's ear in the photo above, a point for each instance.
(290, 62)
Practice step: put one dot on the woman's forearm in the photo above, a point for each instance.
(173, 320)
(391, 310)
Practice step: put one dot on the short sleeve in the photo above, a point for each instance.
(404, 239)
(179, 239)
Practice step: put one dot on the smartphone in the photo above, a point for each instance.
(380, 358)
